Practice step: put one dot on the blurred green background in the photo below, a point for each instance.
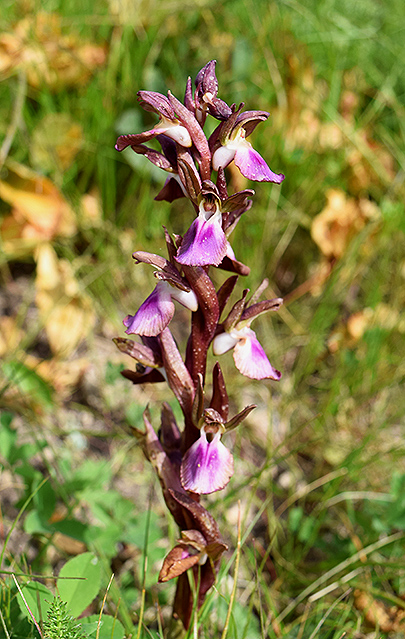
(320, 463)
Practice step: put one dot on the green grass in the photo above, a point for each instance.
(320, 463)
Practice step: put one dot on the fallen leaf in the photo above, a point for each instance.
(65, 310)
(10, 335)
(64, 375)
(39, 46)
(91, 209)
(358, 323)
(340, 220)
(67, 544)
(377, 614)
(39, 211)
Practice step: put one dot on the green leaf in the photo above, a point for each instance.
(34, 524)
(110, 628)
(29, 383)
(113, 372)
(294, 518)
(71, 528)
(45, 500)
(80, 591)
(5, 419)
(8, 436)
(38, 598)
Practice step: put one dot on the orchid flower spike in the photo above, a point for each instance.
(229, 143)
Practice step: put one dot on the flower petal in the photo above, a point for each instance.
(222, 157)
(223, 343)
(187, 298)
(251, 164)
(251, 360)
(204, 243)
(206, 466)
(153, 315)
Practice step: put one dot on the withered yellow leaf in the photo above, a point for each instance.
(65, 311)
(339, 221)
(39, 211)
(39, 46)
(10, 335)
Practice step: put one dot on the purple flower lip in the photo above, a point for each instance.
(234, 146)
(207, 466)
(153, 315)
(157, 311)
(205, 242)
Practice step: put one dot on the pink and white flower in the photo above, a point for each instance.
(248, 354)
(157, 310)
(207, 466)
(205, 242)
(231, 144)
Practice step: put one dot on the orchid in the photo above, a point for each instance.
(158, 309)
(168, 123)
(248, 354)
(229, 143)
(191, 459)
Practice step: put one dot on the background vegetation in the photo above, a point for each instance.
(320, 479)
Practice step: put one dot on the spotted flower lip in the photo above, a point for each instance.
(205, 243)
(207, 466)
(230, 144)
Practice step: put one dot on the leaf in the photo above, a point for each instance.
(38, 45)
(38, 598)
(34, 524)
(66, 311)
(8, 436)
(80, 592)
(29, 383)
(11, 335)
(39, 211)
(340, 220)
(110, 628)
